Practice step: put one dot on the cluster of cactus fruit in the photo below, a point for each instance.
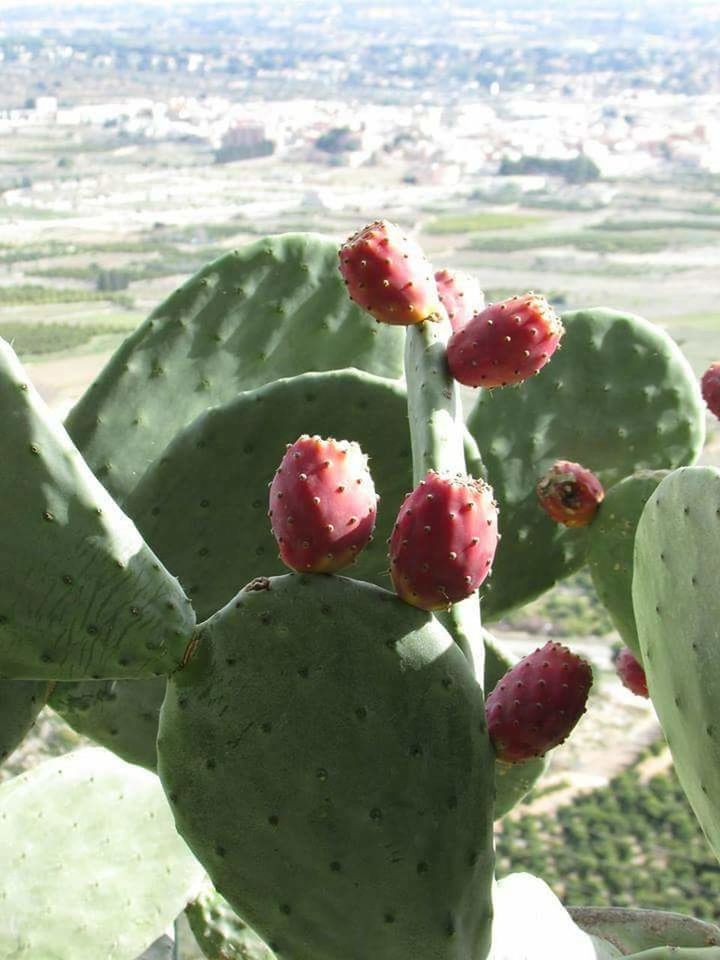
(333, 752)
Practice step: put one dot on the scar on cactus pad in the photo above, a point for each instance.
(505, 343)
(570, 493)
(538, 702)
(444, 541)
(710, 387)
(323, 504)
(389, 276)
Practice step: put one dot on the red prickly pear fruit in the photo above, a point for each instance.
(460, 294)
(710, 386)
(631, 672)
(322, 504)
(505, 343)
(537, 703)
(570, 493)
(443, 543)
(389, 276)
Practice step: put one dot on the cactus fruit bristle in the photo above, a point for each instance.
(570, 493)
(322, 504)
(460, 294)
(631, 672)
(444, 541)
(389, 276)
(537, 703)
(505, 343)
(710, 387)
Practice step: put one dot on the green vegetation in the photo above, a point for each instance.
(695, 223)
(593, 241)
(580, 169)
(31, 293)
(619, 846)
(32, 339)
(473, 222)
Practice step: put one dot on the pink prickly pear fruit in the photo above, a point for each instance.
(536, 705)
(389, 276)
(710, 387)
(444, 541)
(505, 343)
(460, 294)
(570, 493)
(323, 504)
(631, 672)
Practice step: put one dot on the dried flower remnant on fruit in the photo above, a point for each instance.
(570, 493)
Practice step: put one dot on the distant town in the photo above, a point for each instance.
(602, 90)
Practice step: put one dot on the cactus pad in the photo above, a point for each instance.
(121, 715)
(81, 595)
(611, 542)
(618, 397)
(677, 609)
(325, 754)
(20, 703)
(90, 863)
(635, 930)
(216, 475)
(272, 309)
(219, 931)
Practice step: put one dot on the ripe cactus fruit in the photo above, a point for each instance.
(460, 294)
(322, 504)
(631, 672)
(710, 388)
(444, 541)
(537, 703)
(389, 276)
(505, 343)
(570, 493)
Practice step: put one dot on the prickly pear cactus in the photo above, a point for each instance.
(350, 729)
(619, 396)
(635, 930)
(81, 595)
(677, 610)
(20, 703)
(219, 931)
(611, 543)
(90, 863)
(121, 715)
(273, 309)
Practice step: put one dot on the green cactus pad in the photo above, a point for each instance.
(634, 930)
(325, 754)
(275, 308)
(611, 542)
(81, 595)
(677, 610)
(618, 397)
(20, 703)
(216, 473)
(90, 863)
(512, 780)
(219, 931)
(121, 715)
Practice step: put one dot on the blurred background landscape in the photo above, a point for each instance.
(572, 149)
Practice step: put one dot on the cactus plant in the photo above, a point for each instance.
(323, 744)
